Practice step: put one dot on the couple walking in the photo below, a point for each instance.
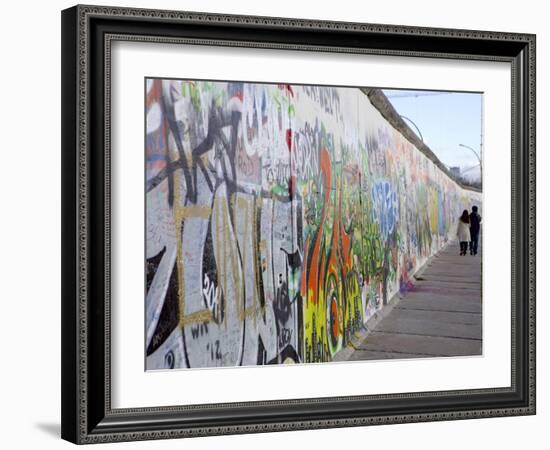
(468, 231)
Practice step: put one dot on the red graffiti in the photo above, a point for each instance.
(289, 139)
(316, 265)
(287, 88)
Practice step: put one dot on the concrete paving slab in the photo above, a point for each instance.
(427, 345)
(448, 303)
(440, 316)
(441, 304)
(428, 326)
(360, 355)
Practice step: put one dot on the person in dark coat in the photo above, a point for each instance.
(475, 226)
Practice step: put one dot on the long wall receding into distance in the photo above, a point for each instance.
(279, 219)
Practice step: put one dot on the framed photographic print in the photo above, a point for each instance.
(283, 224)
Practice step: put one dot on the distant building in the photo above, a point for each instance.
(455, 171)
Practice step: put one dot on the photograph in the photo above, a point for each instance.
(278, 223)
(290, 223)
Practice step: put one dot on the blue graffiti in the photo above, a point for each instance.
(385, 206)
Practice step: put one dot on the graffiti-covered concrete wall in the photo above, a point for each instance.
(279, 218)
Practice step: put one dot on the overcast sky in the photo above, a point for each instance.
(445, 120)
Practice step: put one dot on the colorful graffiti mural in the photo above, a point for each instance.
(279, 219)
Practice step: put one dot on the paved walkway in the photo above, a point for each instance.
(439, 316)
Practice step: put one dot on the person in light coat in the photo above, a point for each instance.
(463, 231)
